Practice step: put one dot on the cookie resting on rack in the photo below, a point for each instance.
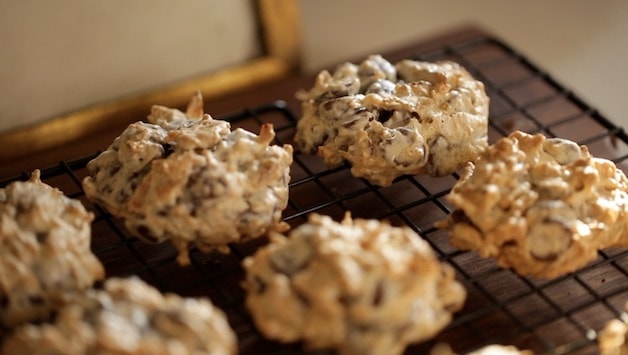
(359, 287)
(542, 206)
(45, 254)
(128, 317)
(613, 338)
(188, 178)
(390, 120)
(492, 349)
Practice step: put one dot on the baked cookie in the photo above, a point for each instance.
(128, 317)
(360, 287)
(542, 206)
(493, 349)
(192, 181)
(391, 120)
(45, 253)
(613, 338)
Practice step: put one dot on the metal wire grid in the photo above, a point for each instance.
(557, 316)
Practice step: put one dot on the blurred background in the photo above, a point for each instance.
(583, 44)
(68, 54)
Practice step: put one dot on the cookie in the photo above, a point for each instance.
(45, 254)
(390, 120)
(359, 287)
(192, 181)
(542, 206)
(128, 317)
(613, 338)
(493, 349)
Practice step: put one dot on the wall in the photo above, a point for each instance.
(584, 44)
(62, 55)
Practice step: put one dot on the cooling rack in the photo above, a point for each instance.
(559, 316)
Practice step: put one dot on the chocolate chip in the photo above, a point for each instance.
(378, 295)
(509, 244)
(384, 115)
(145, 233)
(350, 124)
(405, 131)
(259, 286)
(36, 300)
(339, 93)
(21, 207)
(458, 216)
(301, 297)
(107, 189)
(168, 149)
(4, 301)
(42, 237)
(114, 169)
(347, 299)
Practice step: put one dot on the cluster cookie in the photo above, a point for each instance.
(45, 255)
(360, 287)
(613, 338)
(493, 349)
(390, 120)
(542, 206)
(128, 317)
(192, 180)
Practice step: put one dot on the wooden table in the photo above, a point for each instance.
(547, 316)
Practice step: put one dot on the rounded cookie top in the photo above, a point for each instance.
(192, 181)
(542, 206)
(360, 287)
(45, 253)
(128, 316)
(390, 120)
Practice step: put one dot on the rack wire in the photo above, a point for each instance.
(559, 316)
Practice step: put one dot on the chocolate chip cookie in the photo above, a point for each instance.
(129, 317)
(390, 120)
(45, 254)
(542, 206)
(359, 286)
(192, 180)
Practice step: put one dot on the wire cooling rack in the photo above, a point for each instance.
(549, 317)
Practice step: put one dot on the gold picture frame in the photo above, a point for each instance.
(279, 24)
